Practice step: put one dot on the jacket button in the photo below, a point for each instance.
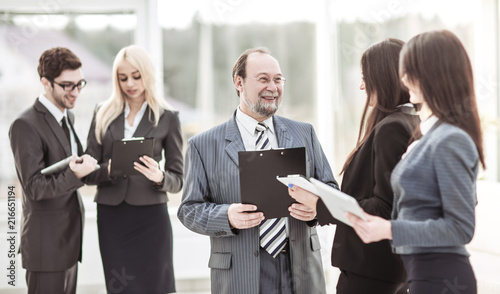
(256, 253)
(124, 176)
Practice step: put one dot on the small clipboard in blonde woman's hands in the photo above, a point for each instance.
(337, 202)
(127, 151)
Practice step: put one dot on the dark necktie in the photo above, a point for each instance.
(66, 130)
(272, 232)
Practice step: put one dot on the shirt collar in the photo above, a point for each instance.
(139, 113)
(427, 124)
(52, 108)
(249, 123)
(405, 105)
(407, 108)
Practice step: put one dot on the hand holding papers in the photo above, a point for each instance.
(337, 202)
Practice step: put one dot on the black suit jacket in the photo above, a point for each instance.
(137, 189)
(51, 234)
(367, 178)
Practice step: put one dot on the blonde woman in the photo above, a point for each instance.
(135, 233)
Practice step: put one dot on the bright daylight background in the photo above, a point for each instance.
(194, 44)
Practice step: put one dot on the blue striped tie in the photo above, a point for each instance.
(272, 232)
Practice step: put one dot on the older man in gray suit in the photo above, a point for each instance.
(211, 202)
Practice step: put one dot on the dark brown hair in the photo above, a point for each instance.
(438, 64)
(239, 68)
(379, 65)
(54, 61)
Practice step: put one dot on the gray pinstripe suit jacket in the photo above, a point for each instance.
(212, 183)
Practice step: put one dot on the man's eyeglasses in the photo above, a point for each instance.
(71, 87)
(278, 81)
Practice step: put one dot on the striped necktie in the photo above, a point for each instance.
(272, 232)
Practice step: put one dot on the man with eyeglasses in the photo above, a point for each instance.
(244, 257)
(53, 214)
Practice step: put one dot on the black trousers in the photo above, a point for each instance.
(439, 273)
(350, 283)
(275, 273)
(63, 282)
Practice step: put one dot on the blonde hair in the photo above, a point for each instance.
(110, 109)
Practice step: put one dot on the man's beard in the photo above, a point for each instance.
(60, 99)
(262, 108)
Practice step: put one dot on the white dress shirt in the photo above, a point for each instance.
(247, 124)
(425, 127)
(129, 130)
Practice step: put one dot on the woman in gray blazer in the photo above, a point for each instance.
(435, 182)
(135, 233)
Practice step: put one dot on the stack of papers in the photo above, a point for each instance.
(337, 202)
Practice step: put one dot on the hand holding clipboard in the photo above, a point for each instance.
(258, 171)
(127, 151)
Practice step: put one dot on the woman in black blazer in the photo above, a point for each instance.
(135, 233)
(387, 125)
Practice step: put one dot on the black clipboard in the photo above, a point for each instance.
(258, 172)
(125, 152)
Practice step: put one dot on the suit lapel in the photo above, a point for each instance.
(425, 138)
(282, 134)
(235, 142)
(233, 137)
(117, 128)
(145, 125)
(54, 126)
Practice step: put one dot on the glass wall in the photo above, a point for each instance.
(201, 41)
(361, 24)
